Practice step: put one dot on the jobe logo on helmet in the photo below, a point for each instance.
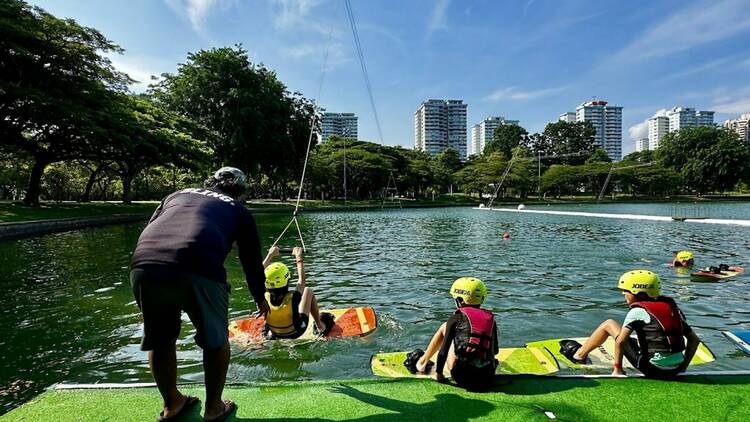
(642, 286)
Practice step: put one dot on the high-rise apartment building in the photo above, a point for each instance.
(339, 124)
(641, 144)
(569, 117)
(439, 125)
(658, 126)
(607, 120)
(682, 117)
(482, 132)
(741, 126)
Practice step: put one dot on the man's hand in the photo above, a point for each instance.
(263, 307)
(297, 252)
(273, 251)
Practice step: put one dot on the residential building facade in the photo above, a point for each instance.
(339, 124)
(439, 125)
(482, 132)
(607, 120)
(641, 145)
(658, 126)
(741, 126)
(682, 117)
(569, 117)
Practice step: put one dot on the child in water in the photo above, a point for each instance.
(660, 327)
(683, 259)
(290, 312)
(467, 342)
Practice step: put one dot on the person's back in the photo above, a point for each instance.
(193, 229)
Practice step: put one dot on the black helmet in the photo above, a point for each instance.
(229, 180)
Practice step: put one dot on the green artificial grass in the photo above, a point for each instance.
(512, 399)
(13, 212)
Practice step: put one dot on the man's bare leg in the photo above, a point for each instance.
(215, 364)
(163, 363)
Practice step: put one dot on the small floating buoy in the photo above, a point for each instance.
(506, 236)
(521, 207)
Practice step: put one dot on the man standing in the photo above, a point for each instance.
(178, 265)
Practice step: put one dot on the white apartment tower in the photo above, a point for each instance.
(339, 124)
(658, 126)
(607, 120)
(741, 126)
(641, 144)
(569, 117)
(439, 125)
(682, 117)
(484, 131)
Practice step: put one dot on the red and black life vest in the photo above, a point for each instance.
(474, 343)
(664, 333)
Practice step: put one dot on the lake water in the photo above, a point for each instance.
(68, 314)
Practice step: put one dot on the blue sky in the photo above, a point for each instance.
(528, 60)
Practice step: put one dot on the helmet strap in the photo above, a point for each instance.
(459, 302)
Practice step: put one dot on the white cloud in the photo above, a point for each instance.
(640, 130)
(736, 106)
(701, 23)
(141, 69)
(438, 18)
(513, 93)
(198, 10)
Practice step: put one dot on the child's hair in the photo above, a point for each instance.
(277, 295)
(643, 296)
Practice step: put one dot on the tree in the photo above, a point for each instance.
(262, 127)
(561, 138)
(505, 138)
(147, 135)
(637, 157)
(599, 156)
(708, 158)
(54, 81)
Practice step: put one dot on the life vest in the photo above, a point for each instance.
(474, 343)
(280, 319)
(664, 332)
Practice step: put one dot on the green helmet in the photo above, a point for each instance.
(277, 275)
(470, 289)
(640, 281)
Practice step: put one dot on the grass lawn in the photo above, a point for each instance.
(695, 398)
(10, 212)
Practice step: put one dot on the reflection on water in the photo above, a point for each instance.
(68, 313)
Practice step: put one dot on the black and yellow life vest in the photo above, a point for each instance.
(280, 319)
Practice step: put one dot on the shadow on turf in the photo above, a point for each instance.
(519, 385)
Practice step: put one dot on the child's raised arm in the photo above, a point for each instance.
(297, 252)
(272, 252)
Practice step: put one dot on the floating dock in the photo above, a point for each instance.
(730, 222)
(516, 398)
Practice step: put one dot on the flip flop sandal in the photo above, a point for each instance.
(568, 348)
(228, 411)
(190, 402)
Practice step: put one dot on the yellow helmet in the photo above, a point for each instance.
(470, 289)
(685, 256)
(277, 275)
(640, 281)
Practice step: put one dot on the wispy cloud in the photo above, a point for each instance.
(702, 68)
(701, 23)
(438, 18)
(737, 102)
(197, 10)
(513, 93)
(293, 13)
(552, 28)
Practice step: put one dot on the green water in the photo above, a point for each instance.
(68, 313)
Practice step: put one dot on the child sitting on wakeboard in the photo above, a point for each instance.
(659, 350)
(467, 342)
(290, 312)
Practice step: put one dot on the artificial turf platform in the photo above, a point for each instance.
(694, 398)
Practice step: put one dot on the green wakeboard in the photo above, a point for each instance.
(602, 357)
(524, 360)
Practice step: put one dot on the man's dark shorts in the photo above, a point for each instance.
(163, 292)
